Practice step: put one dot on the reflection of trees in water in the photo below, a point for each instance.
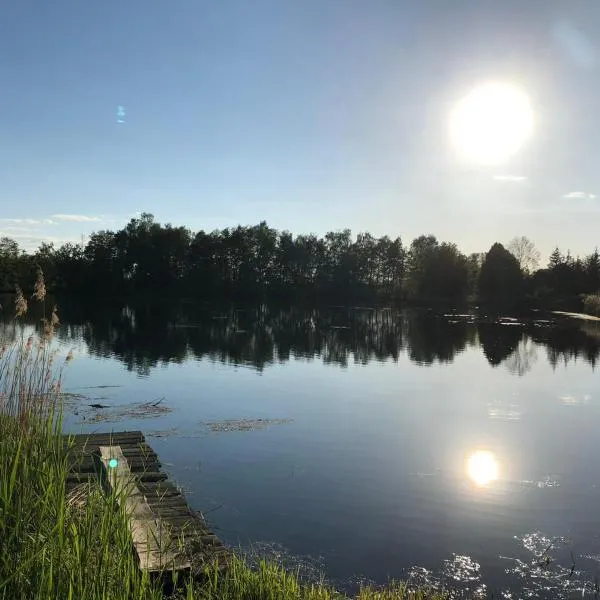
(523, 357)
(261, 336)
(12, 329)
(566, 342)
(498, 341)
(515, 345)
(138, 337)
(431, 337)
(147, 335)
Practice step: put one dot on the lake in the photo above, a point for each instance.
(451, 449)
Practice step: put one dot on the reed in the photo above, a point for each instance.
(591, 304)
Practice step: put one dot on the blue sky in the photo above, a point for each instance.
(312, 115)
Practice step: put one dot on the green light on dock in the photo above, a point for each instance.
(112, 463)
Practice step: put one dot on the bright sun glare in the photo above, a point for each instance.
(482, 467)
(491, 123)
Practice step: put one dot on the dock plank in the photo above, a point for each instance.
(149, 532)
(167, 534)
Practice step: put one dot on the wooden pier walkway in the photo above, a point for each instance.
(167, 535)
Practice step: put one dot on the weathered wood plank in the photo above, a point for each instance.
(150, 535)
(158, 489)
(151, 477)
(132, 443)
(183, 520)
(159, 513)
(169, 514)
(138, 465)
(170, 502)
(112, 434)
(88, 441)
(140, 450)
(136, 461)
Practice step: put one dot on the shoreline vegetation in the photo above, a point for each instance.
(582, 316)
(77, 545)
(259, 263)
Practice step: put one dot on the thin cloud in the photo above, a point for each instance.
(514, 178)
(21, 229)
(8, 232)
(29, 221)
(31, 243)
(22, 221)
(579, 196)
(77, 218)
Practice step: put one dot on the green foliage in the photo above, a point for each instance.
(257, 262)
(147, 257)
(591, 304)
(501, 278)
(436, 272)
(271, 582)
(474, 262)
(51, 547)
(14, 266)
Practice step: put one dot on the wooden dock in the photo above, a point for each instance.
(167, 535)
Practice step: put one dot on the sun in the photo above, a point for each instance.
(491, 123)
(482, 467)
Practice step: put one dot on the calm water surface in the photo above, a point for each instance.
(405, 445)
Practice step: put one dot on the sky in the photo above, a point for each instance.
(313, 115)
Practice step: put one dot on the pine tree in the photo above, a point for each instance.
(556, 259)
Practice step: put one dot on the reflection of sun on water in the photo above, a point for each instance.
(482, 467)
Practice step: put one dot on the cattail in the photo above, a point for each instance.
(20, 303)
(54, 321)
(39, 289)
(47, 329)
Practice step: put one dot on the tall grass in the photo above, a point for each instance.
(75, 544)
(53, 544)
(591, 304)
(271, 582)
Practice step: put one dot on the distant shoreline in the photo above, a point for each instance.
(582, 316)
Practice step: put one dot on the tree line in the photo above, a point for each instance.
(258, 262)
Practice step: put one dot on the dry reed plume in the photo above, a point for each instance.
(30, 383)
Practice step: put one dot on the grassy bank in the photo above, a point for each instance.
(75, 544)
(591, 304)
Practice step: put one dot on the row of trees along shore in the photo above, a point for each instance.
(245, 263)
